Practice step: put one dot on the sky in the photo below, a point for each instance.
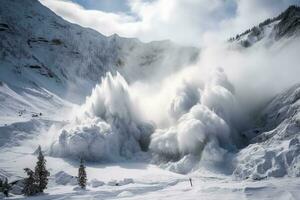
(187, 22)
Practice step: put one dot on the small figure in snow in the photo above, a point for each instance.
(190, 179)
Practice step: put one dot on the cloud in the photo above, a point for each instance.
(105, 22)
(105, 5)
(189, 22)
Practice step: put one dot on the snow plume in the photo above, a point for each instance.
(257, 73)
(203, 116)
(110, 125)
(106, 127)
(187, 95)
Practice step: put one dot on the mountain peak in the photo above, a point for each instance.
(291, 11)
(289, 22)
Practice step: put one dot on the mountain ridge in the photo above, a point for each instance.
(39, 46)
(286, 24)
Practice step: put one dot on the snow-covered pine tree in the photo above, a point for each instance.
(5, 187)
(82, 178)
(30, 186)
(41, 173)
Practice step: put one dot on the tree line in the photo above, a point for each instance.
(37, 180)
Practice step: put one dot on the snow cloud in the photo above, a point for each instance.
(189, 22)
(106, 127)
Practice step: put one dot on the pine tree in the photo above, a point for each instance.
(41, 173)
(5, 187)
(82, 178)
(30, 186)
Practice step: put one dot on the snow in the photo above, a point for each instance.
(207, 117)
(41, 49)
(150, 181)
(63, 178)
(96, 183)
(275, 151)
(106, 127)
(48, 67)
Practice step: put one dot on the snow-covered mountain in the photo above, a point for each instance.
(48, 67)
(45, 59)
(46, 51)
(273, 149)
(287, 24)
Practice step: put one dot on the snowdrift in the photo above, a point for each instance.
(106, 127)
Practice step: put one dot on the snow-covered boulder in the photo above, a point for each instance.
(17, 190)
(63, 178)
(17, 187)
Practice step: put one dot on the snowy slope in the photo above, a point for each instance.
(275, 148)
(287, 24)
(47, 62)
(41, 48)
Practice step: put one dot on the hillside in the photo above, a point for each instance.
(285, 25)
(40, 48)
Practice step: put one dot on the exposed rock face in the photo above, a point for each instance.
(289, 22)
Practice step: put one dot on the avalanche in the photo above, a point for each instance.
(110, 124)
(205, 120)
(106, 127)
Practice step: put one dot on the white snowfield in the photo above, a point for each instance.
(142, 116)
(138, 180)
